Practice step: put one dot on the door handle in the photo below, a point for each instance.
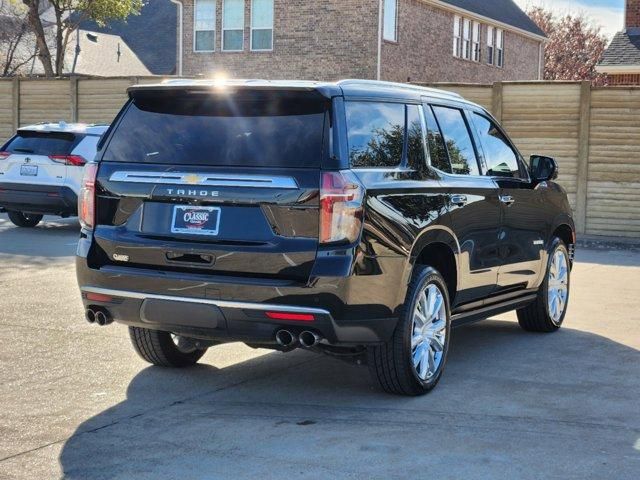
(508, 200)
(459, 200)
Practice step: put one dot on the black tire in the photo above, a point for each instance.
(24, 220)
(159, 348)
(536, 317)
(391, 364)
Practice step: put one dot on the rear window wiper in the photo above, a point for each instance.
(23, 150)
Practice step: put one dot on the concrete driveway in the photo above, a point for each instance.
(76, 402)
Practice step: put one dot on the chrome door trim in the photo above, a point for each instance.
(205, 179)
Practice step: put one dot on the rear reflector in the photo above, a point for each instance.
(294, 317)
(99, 297)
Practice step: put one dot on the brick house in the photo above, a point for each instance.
(621, 60)
(396, 40)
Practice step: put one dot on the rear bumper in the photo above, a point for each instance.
(46, 199)
(235, 309)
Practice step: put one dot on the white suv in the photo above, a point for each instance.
(41, 170)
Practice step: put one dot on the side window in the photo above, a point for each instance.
(435, 141)
(462, 155)
(501, 160)
(416, 156)
(375, 134)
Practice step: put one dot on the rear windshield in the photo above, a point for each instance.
(42, 143)
(261, 129)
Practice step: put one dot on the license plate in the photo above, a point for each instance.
(29, 170)
(195, 220)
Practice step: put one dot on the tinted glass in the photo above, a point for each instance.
(40, 143)
(435, 141)
(376, 134)
(456, 135)
(262, 129)
(500, 157)
(415, 139)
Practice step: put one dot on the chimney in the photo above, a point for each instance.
(632, 16)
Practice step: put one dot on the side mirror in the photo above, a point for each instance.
(543, 169)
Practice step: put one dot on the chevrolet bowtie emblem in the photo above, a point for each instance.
(192, 179)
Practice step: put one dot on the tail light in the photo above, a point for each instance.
(74, 160)
(87, 197)
(341, 208)
(4, 155)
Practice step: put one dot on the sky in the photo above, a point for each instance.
(607, 14)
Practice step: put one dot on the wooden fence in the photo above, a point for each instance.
(594, 133)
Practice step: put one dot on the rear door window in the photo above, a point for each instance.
(435, 142)
(42, 143)
(263, 129)
(376, 134)
(457, 139)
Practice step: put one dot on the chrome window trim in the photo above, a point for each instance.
(205, 179)
(205, 301)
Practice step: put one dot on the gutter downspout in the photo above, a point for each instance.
(180, 34)
(541, 62)
(380, 20)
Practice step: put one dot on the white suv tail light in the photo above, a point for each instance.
(87, 197)
(4, 155)
(74, 160)
(341, 208)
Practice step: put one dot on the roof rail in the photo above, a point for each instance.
(405, 86)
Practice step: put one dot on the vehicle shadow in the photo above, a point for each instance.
(495, 370)
(53, 238)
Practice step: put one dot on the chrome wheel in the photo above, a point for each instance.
(429, 332)
(558, 286)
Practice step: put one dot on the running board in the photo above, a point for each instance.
(465, 318)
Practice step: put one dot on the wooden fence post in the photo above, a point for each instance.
(496, 105)
(582, 177)
(73, 86)
(15, 95)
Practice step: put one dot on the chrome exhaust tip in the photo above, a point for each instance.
(90, 315)
(103, 318)
(285, 338)
(309, 339)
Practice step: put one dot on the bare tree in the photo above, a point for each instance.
(574, 49)
(52, 37)
(16, 50)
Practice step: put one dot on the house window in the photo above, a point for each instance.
(499, 48)
(262, 25)
(466, 39)
(457, 36)
(495, 46)
(233, 25)
(491, 51)
(390, 20)
(204, 26)
(475, 44)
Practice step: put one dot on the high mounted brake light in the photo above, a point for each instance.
(87, 197)
(341, 209)
(74, 160)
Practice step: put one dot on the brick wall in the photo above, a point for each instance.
(633, 14)
(424, 52)
(628, 79)
(313, 40)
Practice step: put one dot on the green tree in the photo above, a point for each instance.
(68, 15)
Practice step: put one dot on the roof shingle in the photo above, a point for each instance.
(623, 50)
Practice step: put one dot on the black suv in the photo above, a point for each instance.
(358, 219)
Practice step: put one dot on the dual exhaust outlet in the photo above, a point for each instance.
(97, 315)
(307, 339)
